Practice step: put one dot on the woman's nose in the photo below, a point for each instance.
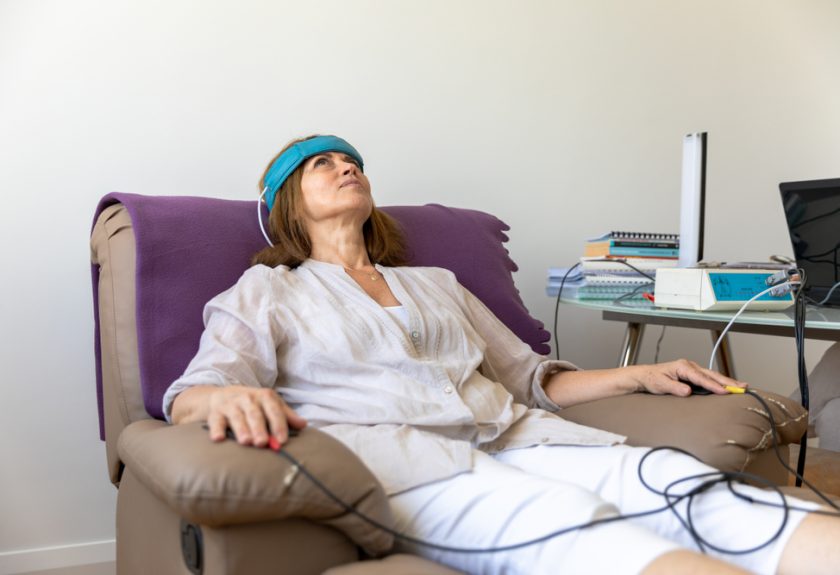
(348, 168)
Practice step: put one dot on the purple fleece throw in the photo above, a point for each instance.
(190, 249)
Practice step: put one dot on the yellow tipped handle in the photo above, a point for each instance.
(733, 389)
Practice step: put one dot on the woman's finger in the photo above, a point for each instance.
(217, 424)
(716, 382)
(238, 423)
(293, 418)
(278, 426)
(255, 419)
(726, 381)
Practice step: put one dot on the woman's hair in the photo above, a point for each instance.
(383, 237)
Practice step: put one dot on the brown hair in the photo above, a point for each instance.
(383, 237)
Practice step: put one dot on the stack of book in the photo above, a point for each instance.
(616, 266)
(571, 280)
(634, 245)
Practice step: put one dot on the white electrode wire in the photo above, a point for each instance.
(828, 295)
(743, 307)
(259, 217)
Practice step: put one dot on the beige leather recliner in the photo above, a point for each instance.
(187, 505)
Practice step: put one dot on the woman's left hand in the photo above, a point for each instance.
(567, 388)
(674, 378)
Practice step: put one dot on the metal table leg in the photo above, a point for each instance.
(632, 341)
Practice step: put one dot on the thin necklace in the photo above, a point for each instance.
(373, 276)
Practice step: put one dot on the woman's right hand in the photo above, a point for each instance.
(253, 414)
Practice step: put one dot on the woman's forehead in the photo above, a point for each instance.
(330, 154)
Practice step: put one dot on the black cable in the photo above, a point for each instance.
(629, 265)
(824, 300)
(775, 444)
(711, 479)
(658, 344)
(802, 370)
(557, 307)
(730, 477)
(563, 282)
(629, 295)
(440, 547)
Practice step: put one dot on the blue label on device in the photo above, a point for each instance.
(741, 287)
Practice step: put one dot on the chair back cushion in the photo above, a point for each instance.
(188, 249)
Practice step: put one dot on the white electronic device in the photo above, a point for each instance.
(693, 199)
(707, 289)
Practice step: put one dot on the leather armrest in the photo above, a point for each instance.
(219, 484)
(725, 431)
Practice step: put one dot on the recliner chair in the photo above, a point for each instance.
(187, 505)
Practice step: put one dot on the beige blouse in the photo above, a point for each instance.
(411, 402)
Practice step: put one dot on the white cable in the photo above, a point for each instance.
(743, 307)
(828, 295)
(259, 217)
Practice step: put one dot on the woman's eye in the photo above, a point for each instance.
(320, 162)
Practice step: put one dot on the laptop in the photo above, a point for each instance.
(812, 210)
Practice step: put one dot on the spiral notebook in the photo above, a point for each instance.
(639, 236)
(624, 244)
(616, 280)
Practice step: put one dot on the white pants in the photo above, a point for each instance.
(523, 494)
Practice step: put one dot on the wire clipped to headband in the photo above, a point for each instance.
(259, 217)
(287, 162)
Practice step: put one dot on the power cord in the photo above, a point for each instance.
(775, 444)
(557, 308)
(824, 300)
(796, 281)
(617, 300)
(631, 294)
(773, 288)
(441, 547)
(801, 371)
(778, 288)
(707, 481)
(659, 344)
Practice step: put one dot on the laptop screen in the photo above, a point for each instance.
(812, 210)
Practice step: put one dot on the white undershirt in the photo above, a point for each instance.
(400, 313)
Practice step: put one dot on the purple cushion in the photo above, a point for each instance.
(191, 248)
(471, 244)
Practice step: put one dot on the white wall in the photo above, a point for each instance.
(564, 118)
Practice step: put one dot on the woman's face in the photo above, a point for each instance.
(333, 187)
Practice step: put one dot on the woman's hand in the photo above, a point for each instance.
(253, 414)
(567, 388)
(674, 378)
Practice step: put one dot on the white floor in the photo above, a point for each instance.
(108, 568)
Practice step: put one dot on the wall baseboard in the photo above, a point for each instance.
(12, 562)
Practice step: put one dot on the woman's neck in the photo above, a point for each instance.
(344, 248)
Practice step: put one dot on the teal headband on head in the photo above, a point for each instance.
(288, 161)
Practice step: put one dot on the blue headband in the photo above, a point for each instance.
(289, 160)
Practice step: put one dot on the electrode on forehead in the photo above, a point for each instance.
(294, 156)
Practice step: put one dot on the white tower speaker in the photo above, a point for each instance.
(693, 199)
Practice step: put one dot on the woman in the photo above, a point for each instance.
(448, 408)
